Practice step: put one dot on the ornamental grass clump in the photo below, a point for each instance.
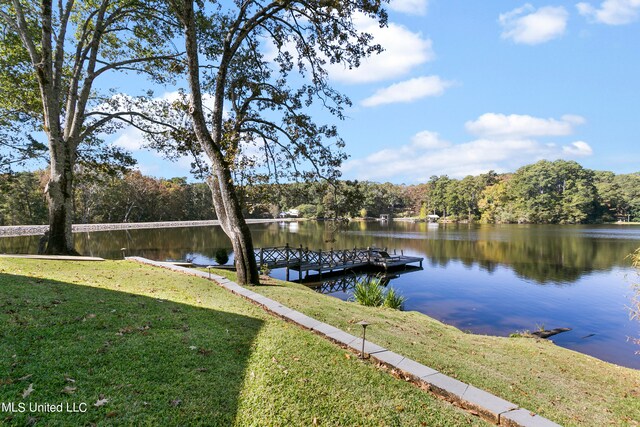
(369, 291)
(393, 299)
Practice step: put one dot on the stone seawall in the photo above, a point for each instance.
(36, 230)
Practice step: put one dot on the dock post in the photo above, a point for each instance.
(261, 257)
(402, 252)
(331, 260)
(286, 257)
(306, 255)
(320, 262)
(300, 264)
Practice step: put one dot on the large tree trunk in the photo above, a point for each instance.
(59, 193)
(235, 227)
(225, 198)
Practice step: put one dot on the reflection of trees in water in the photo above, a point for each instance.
(19, 245)
(158, 244)
(345, 283)
(635, 304)
(545, 254)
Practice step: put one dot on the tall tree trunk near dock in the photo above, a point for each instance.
(225, 197)
(235, 227)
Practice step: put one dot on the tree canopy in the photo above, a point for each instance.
(259, 118)
(54, 54)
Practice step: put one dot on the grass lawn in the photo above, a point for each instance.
(567, 387)
(145, 346)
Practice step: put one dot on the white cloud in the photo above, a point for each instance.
(403, 50)
(411, 7)
(428, 154)
(611, 12)
(521, 126)
(407, 91)
(130, 139)
(428, 140)
(529, 26)
(578, 149)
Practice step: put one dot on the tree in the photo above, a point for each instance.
(21, 199)
(438, 194)
(19, 100)
(265, 113)
(629, 207)
(553, 192)
(494, 204)
(63, 49)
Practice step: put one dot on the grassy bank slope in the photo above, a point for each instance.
(567, 387)
(145, 346)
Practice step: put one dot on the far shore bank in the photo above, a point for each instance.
(36, 230)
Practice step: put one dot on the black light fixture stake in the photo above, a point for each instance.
(364, 325)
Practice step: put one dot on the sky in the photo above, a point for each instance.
(464, 87)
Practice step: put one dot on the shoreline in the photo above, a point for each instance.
(37, 230)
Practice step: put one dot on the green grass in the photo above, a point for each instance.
(167, 349)
(567, 387)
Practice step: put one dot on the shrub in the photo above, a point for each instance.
(221, 256)
(265, 270)
(370, 292)
(393, 299)
(307, 210)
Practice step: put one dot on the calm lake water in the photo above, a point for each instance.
(485, 279)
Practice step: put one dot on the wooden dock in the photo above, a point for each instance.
(305, 260)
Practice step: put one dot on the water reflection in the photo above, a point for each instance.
(556, 255)
(343, 283)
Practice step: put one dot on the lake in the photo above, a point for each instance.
(485, 279)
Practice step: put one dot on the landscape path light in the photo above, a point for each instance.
(364, 325)
(209, 267)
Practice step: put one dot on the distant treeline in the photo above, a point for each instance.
(544, 192)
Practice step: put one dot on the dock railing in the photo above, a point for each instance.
(304, 259)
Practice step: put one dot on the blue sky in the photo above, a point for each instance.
(464, 87)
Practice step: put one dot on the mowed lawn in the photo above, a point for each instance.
(567, 387)
(136, 345)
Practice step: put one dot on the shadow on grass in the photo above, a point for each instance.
(124, 358)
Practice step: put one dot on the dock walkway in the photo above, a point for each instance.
(305, 260)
